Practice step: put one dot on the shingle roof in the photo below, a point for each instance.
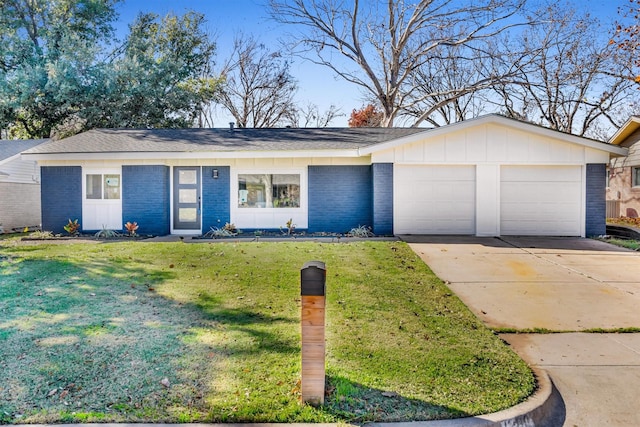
(220, 140)
(9, 148)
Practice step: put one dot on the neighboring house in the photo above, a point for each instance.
(19, 186)
(623, 187)
(488, 176)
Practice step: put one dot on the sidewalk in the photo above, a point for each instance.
(560, 284)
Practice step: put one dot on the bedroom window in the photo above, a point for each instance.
(269, 191)
(105, 186)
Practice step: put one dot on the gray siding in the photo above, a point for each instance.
(20, 206)
(20, 171)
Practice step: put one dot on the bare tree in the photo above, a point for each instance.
(258, 90)
(449, 84)
(627, 33)
(311, 116)
(382, 43)
(574, 82)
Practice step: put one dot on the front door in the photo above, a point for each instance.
(186, 198)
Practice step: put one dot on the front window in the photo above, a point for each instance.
(103, 186)
(269, 191)
(635, 176)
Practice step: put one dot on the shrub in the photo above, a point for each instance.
(72, 227)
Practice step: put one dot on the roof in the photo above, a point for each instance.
(13, 147)
(220, 140)
(625, 131)
(279, 142)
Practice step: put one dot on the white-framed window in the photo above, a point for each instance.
(267, 198)
(102, 186)
(266, 190)
(635, 176)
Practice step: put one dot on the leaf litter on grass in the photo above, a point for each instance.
(219, 323)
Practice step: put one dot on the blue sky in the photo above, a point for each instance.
(316, 84)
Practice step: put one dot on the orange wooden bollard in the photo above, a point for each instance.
(312, 290)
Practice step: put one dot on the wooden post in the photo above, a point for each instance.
(312, 290)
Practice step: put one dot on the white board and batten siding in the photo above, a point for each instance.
(490, 179)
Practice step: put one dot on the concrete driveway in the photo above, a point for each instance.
(558, 284)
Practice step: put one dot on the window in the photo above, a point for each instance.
(268, 191)
(635, 176)
(103, 186)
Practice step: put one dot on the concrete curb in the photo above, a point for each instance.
(544, 409)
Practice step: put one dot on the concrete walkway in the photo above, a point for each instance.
(558, 284)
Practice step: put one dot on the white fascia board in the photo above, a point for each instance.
(495, 119)
(192, 155)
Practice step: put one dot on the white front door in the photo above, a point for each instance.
(102, 199)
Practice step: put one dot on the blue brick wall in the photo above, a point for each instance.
(145, 198)
(339, 198)
(216, 195)
(382, 198)
(596, 206)
(61, 196)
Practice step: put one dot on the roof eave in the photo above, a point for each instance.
(157, 155)
(629, 127)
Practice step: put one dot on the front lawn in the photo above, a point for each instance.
(209, 332)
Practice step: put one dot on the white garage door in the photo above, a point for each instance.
(540, 200)
(434, 199)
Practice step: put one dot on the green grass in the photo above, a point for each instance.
(624, 243)
(89, 332)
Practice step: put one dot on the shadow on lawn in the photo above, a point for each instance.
(356, 403)
(248, 322)
(93, 340)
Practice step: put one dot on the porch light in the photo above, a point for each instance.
(215, 174)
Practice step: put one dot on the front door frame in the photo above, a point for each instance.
(192, 203)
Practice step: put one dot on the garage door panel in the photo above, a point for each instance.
(541, 192)
(533, 173)
(540, 228)
(539, 200)
(434, 199)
